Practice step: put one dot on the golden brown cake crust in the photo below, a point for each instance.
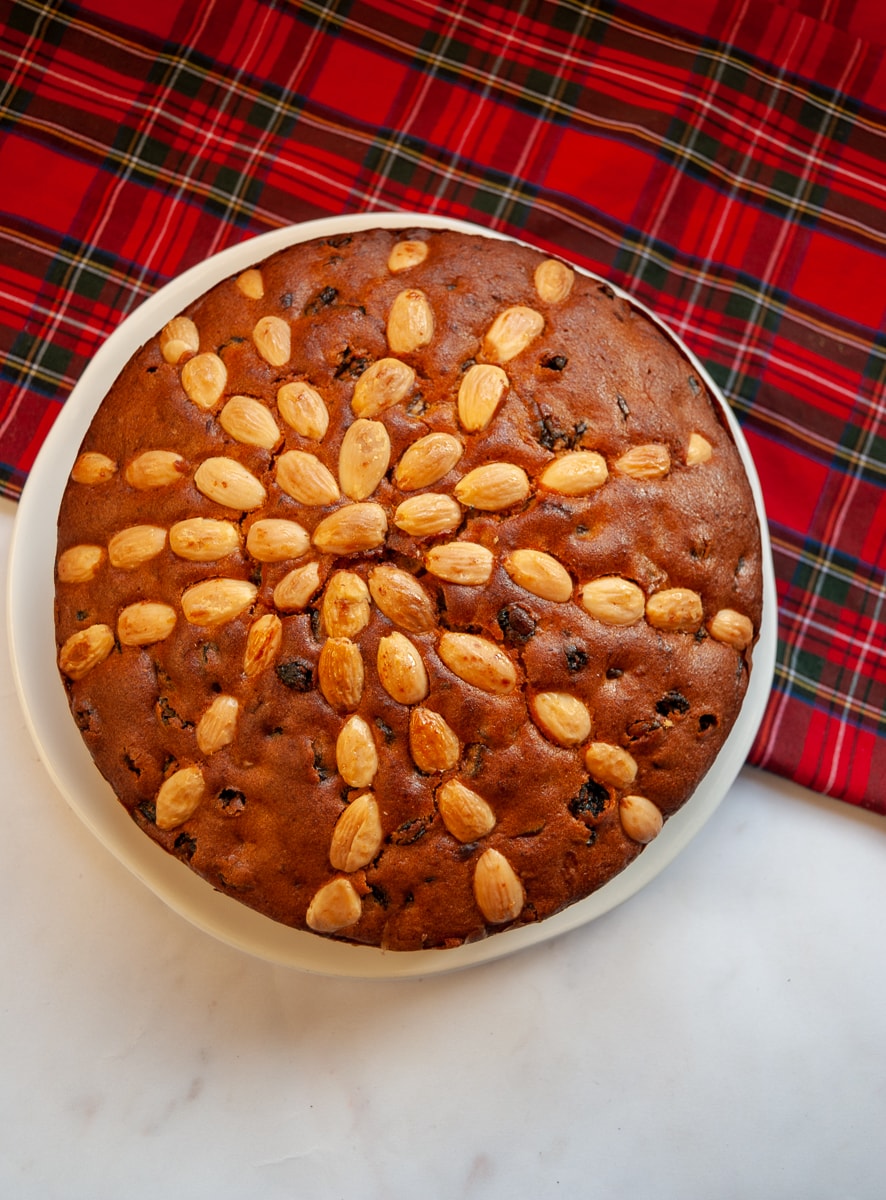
(673, 523)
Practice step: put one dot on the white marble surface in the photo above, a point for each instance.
(722, 1034)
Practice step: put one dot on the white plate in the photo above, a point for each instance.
(32, 643)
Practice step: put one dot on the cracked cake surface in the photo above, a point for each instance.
(407, 583)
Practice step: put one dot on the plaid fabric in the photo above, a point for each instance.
(726, 166)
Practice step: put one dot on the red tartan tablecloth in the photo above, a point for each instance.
(725, 165)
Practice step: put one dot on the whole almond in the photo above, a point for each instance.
(511, 332)
(79, 564)
(613, 600)
(179, 797)
(272, 338)
(92, 467)
(303, 477)
(335, 906)
(675, 609)
(699, 450)
(402, 598)
(145, 622)
(460, 562)
(387, 382)
(353, 529)
(229, 483)
(133, 546)
(217, 601)
(303, 409)
(497, 889)
(480, 394)
(251, 284)
(340, 674)
(262, 644)
(650, 461)
(553, 280)
(248, 421)
(428, 514)
(154, 469)
(640, 819)
(84, 650)
(218, 725)
(562, 717)
(401, 669)
(539, 573)
(466, 815)
(493, 487)
(433, 743)
(203, 539)
(731, 627)
(363, 458)
(356, 757)
(274, 539)
(427, 460)
(406, 254)
(357, 836)
(410, 322)
(204, 378)
(297, 587)
(610, 764)
(577, 473)
(178, 337)
(345, 608)
(478, 661)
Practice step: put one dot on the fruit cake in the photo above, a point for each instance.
(407, 583)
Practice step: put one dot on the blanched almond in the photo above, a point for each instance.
(460, 562)
(216, 601)
(79, 564)
(650, 461)
(133, 546)
(511, 332)
(410, 322)
(357, 836)
(179, 337)
(478, 661)
(303, 477)
(179, 797)
(481, 392)
(466, 815)
(275, 539)
(345, 608)
(402, 598)
(92, 467)
(562, 717)
(272, 338)
(335, 906)
(302, 408)
(297, 587)
(433, 743)
(363, 458)
(640, 819)
(251, 284)
(356, 757)
(218, 725)
(145, 622)
(84, 650)
(406, 254)
(353, 529)
(553, 280)
(401, 670)
(154, 469)
(204, 378)
(540, 574)
(428, 514)
(493, 487)
(677, 609)
(262, 644)
(610, 764)
(385, 383)
(229, 483)
(613, 600)
(731, 627)
(203, 539)
(248, 421)
(577, 473)
(699, 450)
(426, 461)
(497, 890)
(340, 674)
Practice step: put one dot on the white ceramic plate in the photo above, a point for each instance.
(32, 643)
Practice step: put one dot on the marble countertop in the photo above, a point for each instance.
(720, 1034)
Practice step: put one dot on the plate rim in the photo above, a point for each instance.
(72, 770)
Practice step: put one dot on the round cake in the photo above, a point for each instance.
(407, 582)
